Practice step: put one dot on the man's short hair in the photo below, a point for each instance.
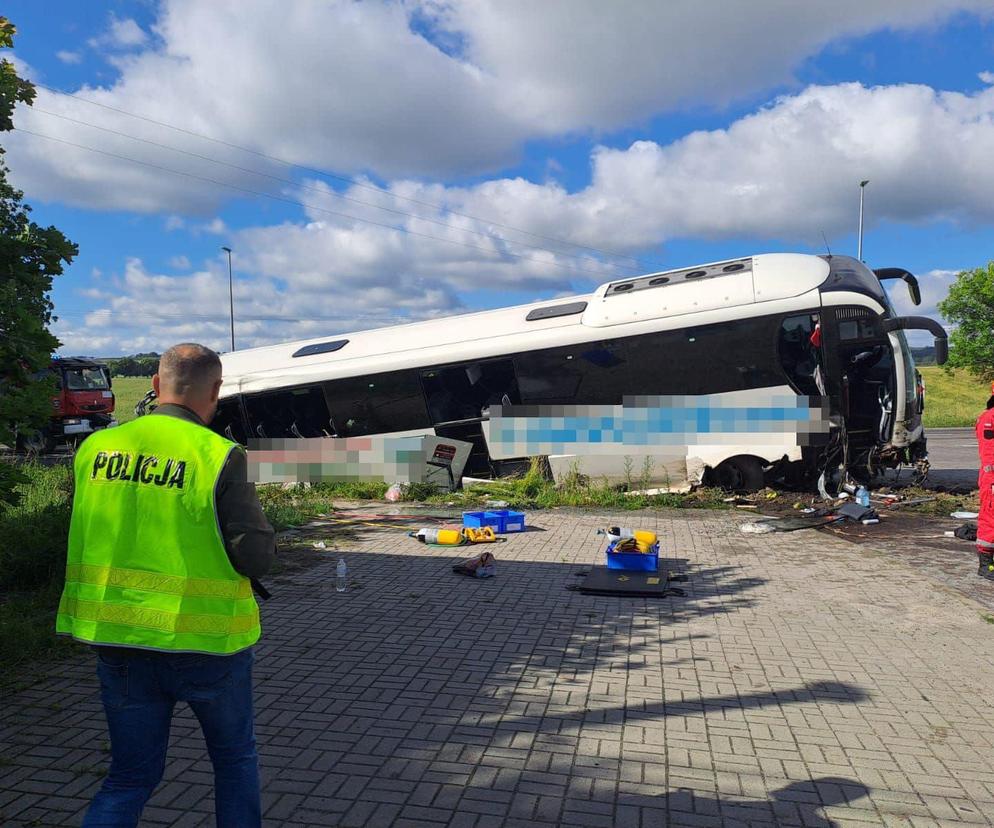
(188, 368)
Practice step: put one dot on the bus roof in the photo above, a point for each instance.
(713, 292)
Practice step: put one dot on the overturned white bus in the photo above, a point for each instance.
(813, 326)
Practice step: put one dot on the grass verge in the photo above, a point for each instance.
(953, 398)
(127, 393)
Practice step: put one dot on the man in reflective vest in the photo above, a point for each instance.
(166, 533)
(985, 519)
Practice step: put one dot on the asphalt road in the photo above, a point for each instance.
(952, 453)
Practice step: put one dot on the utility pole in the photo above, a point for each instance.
(231, 292)
(859, 244)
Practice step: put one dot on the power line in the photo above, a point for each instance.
(599, 274)
(345, 179)
(302, 185)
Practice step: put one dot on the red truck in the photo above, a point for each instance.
(83, 404)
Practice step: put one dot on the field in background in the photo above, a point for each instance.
(952, 398)
(127, 392)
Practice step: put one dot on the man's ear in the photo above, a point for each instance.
(155, 384)
(216, 390)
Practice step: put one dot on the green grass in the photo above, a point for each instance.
(127, 392)
(534, 491)
(298, 504)
(27, 633)
(952, 398)
(34, 533)
(33, 537)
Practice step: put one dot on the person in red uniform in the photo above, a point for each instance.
(985, 520)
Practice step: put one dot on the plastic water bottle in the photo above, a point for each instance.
(341, 579)
(862, 496)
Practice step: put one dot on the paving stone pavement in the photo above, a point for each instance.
(802, 681)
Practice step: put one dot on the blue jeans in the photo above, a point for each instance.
(139, 690)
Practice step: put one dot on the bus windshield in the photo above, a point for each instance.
(910, 383)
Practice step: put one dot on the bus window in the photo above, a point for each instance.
(594, 373)
(857, 329)
(710, 359)
(462, 392)
(228, 420)
(376, 404)
(295, 412)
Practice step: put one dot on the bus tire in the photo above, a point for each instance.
(741, 473)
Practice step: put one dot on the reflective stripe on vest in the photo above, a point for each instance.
(157, 582)
(158, 620)
(147, 565)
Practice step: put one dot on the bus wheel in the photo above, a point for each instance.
(739, 474)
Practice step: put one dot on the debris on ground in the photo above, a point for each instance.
(479, 566)
(854, 511)
(759, 527)
(967, 532)
(789, 524)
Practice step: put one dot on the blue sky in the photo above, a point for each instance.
(499, 151)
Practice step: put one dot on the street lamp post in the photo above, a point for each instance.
(231, 292)
(859, 243)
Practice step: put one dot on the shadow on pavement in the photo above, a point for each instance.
(799, 803)
(418, 688)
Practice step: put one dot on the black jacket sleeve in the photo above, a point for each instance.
(248, 538)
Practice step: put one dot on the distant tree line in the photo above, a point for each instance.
(136, 365)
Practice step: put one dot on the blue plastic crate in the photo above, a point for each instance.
(478, 519)
(633, 561)
(509, 521)
(504, 521)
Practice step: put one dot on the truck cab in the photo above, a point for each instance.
(83, 403)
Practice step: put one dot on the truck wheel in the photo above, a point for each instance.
(739, 474)
(35, 442)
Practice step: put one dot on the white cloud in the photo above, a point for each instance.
(355, 87)
(150, 311)
(934, 287)
(120, 34)
(986, 77)
(924, 153)
(789, 171)
(92, 293)
(69, 57)
(570, 65)
(127, 33)
(21, 66)
(179, 262)
(216, 227)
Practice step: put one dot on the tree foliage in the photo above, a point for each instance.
(30, 257)
(136, 365)
(970, 307)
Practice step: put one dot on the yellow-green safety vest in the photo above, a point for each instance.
(147, 565)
